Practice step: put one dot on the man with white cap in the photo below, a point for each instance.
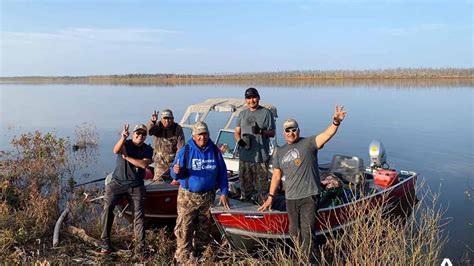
(200, 169)
(297, 160)
(168, 140)
(133, 157)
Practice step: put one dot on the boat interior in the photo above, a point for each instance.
(344, 180)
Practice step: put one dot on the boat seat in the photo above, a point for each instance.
(348, 168)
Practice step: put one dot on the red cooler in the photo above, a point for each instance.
(385, 178)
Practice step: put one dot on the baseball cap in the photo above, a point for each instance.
(140, 127)
(167, 113)
(290, 123)
(199, 128)
(251, 92)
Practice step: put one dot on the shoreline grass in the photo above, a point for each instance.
(30, 202)
(420, 76)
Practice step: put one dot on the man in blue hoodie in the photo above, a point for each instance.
(200, 169)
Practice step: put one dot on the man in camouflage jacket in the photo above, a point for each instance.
(168, 140)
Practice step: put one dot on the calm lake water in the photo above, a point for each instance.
(428, 130)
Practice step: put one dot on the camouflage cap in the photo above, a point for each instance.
(167, 113)
(290, 123)
(199, 128)
(140, 127)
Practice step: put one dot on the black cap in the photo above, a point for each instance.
(251, 92)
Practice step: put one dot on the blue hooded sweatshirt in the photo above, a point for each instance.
(206, 173)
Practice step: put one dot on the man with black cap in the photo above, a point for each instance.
(255, 127)
(168, 140)
(133, 157)
(297, 160)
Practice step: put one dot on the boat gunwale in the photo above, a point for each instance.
(221, 211)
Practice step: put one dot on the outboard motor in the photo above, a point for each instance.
(377, 154)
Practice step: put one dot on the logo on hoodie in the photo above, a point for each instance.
(200, 164)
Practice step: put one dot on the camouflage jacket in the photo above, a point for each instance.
(167, 142)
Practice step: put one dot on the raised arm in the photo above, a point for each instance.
(119, 145)
(152, 126)
(326, 135)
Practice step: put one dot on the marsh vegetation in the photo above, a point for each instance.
(416, 77)
(33, 193)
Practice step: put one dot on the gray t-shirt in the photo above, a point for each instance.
(259, 145)
(298, 162)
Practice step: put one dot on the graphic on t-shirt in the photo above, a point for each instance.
(251, 120)
(200, 164)
(289, 157)
(297, 162)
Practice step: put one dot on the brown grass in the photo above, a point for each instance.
(31, 194)
(398, 77)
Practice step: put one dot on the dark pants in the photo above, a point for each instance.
(114, 192)
(302, 223)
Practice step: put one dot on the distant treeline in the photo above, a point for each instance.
(389, 77)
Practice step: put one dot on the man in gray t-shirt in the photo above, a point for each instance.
(255, 127)
(297, 161)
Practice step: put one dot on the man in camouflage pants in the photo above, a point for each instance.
(200, 169)
(255, 127)
(169, 138)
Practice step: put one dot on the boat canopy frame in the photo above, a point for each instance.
(230, 105)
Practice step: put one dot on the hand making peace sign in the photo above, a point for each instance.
(154, 116)
(339, 114)
(125, 132)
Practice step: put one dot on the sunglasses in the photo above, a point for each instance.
(293, 129)
(140, 133)
(168, 118)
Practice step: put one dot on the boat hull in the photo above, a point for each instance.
(245, 227)
(160, 202)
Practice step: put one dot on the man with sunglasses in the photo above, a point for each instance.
(297, 161)
(168, 140)
(133, 157)
(255, 127)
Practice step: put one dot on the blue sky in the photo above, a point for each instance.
(123, 36)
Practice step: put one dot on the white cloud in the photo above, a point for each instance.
(121, 35)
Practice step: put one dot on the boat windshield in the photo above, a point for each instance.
(227, 144)
(188, 132)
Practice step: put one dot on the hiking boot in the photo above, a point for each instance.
(141, 252)
(245, 199)
(255, 199)
(106, 248)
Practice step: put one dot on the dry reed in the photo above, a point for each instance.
(30, 196)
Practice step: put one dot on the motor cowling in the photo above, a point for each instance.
(377, 154)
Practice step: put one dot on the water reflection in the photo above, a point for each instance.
(425, 127)
(397, 83)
